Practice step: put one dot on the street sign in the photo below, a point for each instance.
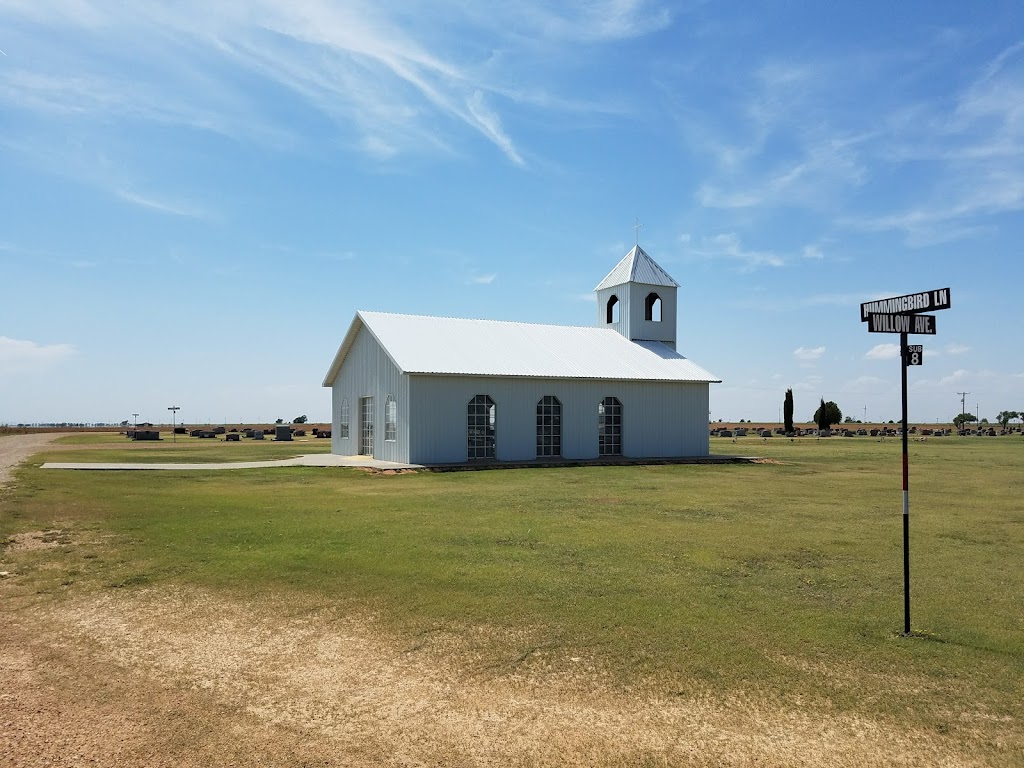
(911, 304)
(901, 314)
(923, 324)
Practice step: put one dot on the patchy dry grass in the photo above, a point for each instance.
(736, 615)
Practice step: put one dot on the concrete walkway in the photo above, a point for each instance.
(310, 460)
(330, 460)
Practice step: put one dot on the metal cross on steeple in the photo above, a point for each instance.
(636, 226)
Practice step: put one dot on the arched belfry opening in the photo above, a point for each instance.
(612, 309)
(652, 308)
(639, 300)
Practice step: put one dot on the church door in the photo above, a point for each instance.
(366, 426)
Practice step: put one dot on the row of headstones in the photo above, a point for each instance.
(884, 432)
(282, 433)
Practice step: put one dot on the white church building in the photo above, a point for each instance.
(441, 390)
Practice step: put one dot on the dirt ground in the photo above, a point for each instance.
(182, 677)
(17, 448)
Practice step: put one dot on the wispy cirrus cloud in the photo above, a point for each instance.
(174, 209)
(728, 246)
(390, 80)
(792, 140)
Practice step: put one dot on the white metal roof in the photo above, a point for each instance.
(637, 267)
(454, 346)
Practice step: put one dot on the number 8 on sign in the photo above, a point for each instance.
(915, 354)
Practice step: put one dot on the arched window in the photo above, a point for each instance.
(613, 310)
(609, 427)
(482, 415)
(652, 308)
(343, 425)
(390, 419)
(549, 427)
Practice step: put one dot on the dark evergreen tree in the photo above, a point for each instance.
(827, 415)
(787, 412)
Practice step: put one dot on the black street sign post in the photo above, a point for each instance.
(901, 314)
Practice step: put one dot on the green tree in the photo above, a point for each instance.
(963, 418)
(300, 419)
(1004, 417)
(827, 414)
(787, 412)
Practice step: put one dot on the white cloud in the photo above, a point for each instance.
(486, 280)
(956, 349)
(807, 354)
(883, 352)
(17, 355)
(957, 377)
(728, 246)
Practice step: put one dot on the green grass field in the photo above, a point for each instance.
(784, 577)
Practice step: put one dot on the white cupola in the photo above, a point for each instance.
(638, 299)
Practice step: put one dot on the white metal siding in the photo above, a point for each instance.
(369, 372)
(632, 299)
(649, 330)
(659, 419)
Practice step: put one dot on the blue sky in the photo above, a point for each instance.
(197, 197)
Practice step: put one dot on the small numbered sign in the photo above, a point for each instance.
(915, 354)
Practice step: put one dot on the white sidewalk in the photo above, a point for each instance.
(310, 460)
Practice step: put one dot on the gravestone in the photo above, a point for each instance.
(324, 433)
(282, 433)
(233, 437)
(147, 434)
(257, 434)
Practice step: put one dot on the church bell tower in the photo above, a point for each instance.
(638, 299)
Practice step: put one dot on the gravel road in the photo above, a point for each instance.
(14, 449)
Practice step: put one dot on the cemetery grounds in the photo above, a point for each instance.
(680, 615)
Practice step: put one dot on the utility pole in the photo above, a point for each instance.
(963, 397)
